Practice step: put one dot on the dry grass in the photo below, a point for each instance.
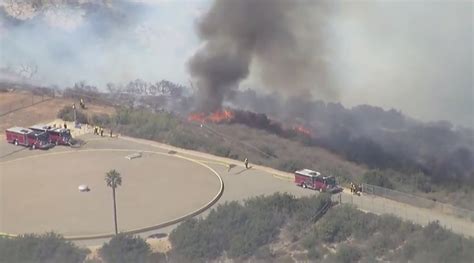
(42, 112)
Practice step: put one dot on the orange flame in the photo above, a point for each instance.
(215, 117)
(301, 129)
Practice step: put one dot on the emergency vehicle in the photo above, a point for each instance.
(28, 138)
(58, 136)
(307, 178)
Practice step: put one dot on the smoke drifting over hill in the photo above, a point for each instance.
(283, 38)
(396, 54)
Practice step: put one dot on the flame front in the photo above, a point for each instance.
(301, 129)
(215, 117)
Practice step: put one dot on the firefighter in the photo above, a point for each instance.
(65, 126)
(101, 132)
(82, 103)
(110, 133)
(353, 188)
(246, 162)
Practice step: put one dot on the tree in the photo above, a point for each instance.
(41, 248)
(113, 180)
(126, 248)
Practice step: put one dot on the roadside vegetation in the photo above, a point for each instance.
(281, 228)
(239, 231)
(276, 228)
(40, 248)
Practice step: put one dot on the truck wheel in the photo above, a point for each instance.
(15, 142)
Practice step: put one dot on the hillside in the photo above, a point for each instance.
(350, 152)
(280, 228)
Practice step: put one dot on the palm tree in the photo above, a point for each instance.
(113, 179)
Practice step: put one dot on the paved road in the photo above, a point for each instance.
(240, 184)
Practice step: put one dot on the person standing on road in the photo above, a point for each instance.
(246, 162)
(101, 132)
(110, 133)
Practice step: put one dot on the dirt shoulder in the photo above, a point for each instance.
(44, 109)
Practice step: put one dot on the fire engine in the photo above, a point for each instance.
(28, 138)
(57, 136)
(307, 178)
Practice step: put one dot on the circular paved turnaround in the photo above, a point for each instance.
(40, 193)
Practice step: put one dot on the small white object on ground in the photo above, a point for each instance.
(133, 156)
(84, 188)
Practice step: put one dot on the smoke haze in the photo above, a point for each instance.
(283, 38)
(413, 56)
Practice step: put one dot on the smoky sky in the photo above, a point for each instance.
(416, 56)
(282, 40)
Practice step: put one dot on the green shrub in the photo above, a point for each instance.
(67, 114)
(100, 119)
(239, 229)
(124, 249)
(314, 253)
(47, 248)
(347, 254)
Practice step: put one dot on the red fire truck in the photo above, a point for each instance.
(57, 136)
(307, 178)
(28, 138)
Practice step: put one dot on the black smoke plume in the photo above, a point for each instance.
(282, 40)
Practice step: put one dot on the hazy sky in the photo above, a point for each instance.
(416, 56)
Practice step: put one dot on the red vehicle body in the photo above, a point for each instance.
(57, 136)
(314, 180)
(28, 138)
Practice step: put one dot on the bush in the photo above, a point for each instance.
(240, 230)
(100, 119)
(347, 254)
(314, 253)
(269, 152)
(124, 249)
(67, 114)
(290, 165)
(376, 177)
(47, 248)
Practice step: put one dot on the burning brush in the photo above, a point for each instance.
(250, 119)
(215, 117)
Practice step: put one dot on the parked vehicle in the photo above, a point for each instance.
(28, 138)
(307, 178)
(58, 136)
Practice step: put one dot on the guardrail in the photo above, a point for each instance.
(417, 201)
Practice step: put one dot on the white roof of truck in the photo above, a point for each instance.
(19, 130)
(41, 127)
(308, 172)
